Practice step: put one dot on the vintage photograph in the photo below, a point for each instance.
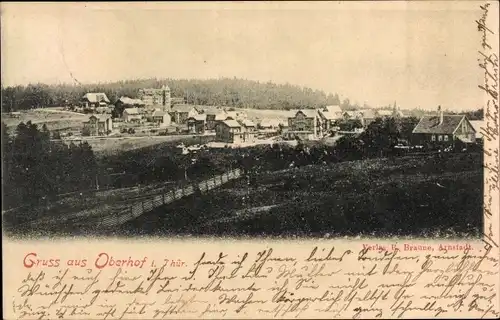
(196, 120)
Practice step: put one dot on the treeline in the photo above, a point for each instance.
(222, 92)
(36, 168)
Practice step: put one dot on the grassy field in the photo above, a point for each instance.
(267, 114)
(54, 118)
(404, 196)
(113, 146)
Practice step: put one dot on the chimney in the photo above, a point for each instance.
(440, 113)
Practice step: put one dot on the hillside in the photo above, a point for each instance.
(412, 195)
(238, 93)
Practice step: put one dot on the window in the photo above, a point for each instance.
(440, 138)
(446, 138)
(433, 138)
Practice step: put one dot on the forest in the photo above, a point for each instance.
(35, 169)
(238, 93)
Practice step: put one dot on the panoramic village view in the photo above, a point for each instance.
(233, 157)
(242, 122)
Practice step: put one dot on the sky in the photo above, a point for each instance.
(417, 54)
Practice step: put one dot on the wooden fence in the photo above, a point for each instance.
(137, 209)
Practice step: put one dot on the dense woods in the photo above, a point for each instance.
(223, 92)
(35, 168)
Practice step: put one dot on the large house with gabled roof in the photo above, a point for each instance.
(306, 124)
(444, 129)
(94, 99)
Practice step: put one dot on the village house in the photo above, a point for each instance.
(367, 116)
(197, 123)
(249, 130)
(269, 125)
(229, 131)
(105, 110)
(132, 115)
(126, 102)
(161, 118)
(93, 100)
(329, 115)
(154, 98)
(305, 125)
(395, 112)
(352, 115)
(174, 101)
(235, 115)
(15, 114)
(181, 112)
(213, 116)
(97, 125)
(444, 129)
(479, 126)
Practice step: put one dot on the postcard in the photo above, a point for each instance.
(250, 160)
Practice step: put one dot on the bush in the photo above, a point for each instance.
(163, 133)
(131, 131)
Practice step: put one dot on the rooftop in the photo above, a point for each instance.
(247, 123)
(309, 113)
(130, 101)
(100, 117)
(94, 97)
(430, 124)
(158, 113)
(132, 111)
(199, 117)
(183, 108)
(331, 112)
(231, 123)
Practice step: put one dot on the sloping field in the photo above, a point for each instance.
(405, 196)
(111, 145)
(55, 119)
(268, 114)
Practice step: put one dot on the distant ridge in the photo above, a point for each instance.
(230, 92)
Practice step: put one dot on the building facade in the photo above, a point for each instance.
(197, 124)
(93, 100)
(229, 131)
(156, 98)
(444, 129)
(305, 125)
(161, 118)
(98, 125)
(329, 115)
(132, 115)
(249, 130)
(181, 112)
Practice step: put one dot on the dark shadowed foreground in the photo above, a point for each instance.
(436, 195)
